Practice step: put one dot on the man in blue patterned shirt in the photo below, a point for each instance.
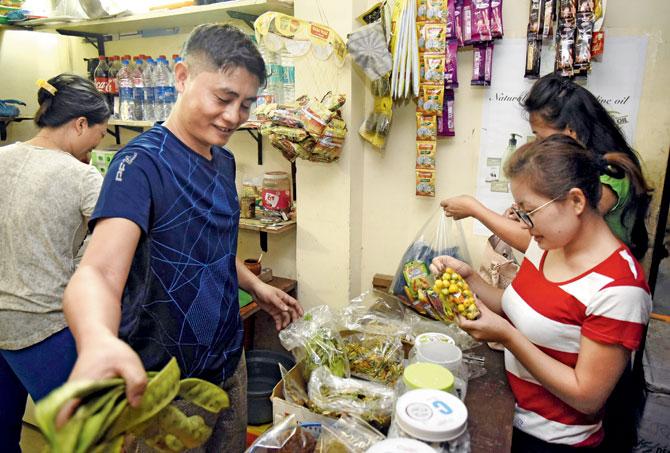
(160, 276)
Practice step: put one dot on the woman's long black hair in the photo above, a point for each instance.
(562, 104)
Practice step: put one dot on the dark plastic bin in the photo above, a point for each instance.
(262, 376)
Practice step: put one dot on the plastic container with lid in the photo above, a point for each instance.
(437, 418)
(440, 349)
(400, 445)
(276, 193)
(427, 376)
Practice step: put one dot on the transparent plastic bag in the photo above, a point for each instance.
(294, 387)
(349, 434)
(374, 312)
(377, 358)
(285, 437)
(440, 235)
(315, 341)
(332, 396)
(419, 324)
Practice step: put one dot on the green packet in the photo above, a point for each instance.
(416, 276)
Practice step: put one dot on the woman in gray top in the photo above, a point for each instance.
(48, 192)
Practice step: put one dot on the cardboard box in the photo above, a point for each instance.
(654, 429)
(282, 408)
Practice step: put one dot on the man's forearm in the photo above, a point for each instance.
(91, 307)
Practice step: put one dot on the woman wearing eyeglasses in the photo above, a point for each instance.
(577, 307)
(556, 105)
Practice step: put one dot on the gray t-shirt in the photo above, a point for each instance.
(46, 197)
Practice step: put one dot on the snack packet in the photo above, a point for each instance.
(425, 183)
(481, 21)
(430, 99)
(445, 123)
(451, 68)
(497, 30)
(426, 127)
(425, 154)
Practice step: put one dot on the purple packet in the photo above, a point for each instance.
(451, 19)
(478, 62)
(458, 22)
(497, 19)
(466, 22)
(445, 123)
(451, 69)
(488, 64)
(481, 21)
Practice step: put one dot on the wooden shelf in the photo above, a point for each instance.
(129, 123)
(264, 230)
(256, 225)
(186, 17)
(285, 284)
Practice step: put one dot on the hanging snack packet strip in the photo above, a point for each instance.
(436, 10)
(497, 19)
(466, 21)
(430, 99)
(425, 155)
(534, 39)
(481, 21)
(426, 127)
(431, 36)
(425, 183)
(451, 19)
(549, 18)
(458, 22)
(445, 123)
(598, 42)
(433, 68)
(585, 18)
(451, 69)
(567, 25)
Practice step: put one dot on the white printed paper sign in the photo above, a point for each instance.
(617, 86)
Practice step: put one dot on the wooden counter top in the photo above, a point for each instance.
(490, 405)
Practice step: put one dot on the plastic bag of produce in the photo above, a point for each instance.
(440, 235)
(375, 312)
(377, 358)
(332, 396)
(314, 340)
(285, 437)
(349, 434)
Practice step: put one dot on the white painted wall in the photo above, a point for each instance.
(357, 216)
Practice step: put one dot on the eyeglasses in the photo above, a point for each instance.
(525, 216)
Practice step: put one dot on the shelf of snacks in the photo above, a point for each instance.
(185, 17)
(267, 228)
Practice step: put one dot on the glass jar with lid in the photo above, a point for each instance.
(276, 192)
(434, 417)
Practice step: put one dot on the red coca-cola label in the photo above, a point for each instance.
(276, 200)
(112, 86)
(102, 84)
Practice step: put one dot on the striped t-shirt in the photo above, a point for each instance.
(609, 304)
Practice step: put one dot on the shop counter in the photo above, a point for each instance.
(490, 405)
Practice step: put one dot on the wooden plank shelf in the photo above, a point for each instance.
(182, 18)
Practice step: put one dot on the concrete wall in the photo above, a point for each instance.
(358, 215)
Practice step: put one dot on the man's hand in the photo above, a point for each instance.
(283, 308)
(461, 207)
(107, 357)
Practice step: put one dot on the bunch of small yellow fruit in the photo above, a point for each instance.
(455, 294)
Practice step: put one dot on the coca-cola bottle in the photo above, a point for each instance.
(101, 77)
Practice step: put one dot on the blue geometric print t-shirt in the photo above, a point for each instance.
(181, 298)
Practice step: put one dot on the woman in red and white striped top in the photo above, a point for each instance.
(577, 308)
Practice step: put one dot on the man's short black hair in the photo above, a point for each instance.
(224, 47)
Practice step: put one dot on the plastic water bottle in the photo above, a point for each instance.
(126, 99)
(171, 91)
(163, 94)
(138, 89)
(114, 86)
(288, 76)
(274, 89)
(149, 92)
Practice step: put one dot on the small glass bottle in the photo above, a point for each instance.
(434, 417)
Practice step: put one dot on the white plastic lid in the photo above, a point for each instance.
(400, 445)
(429, 337)
(431, 415)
